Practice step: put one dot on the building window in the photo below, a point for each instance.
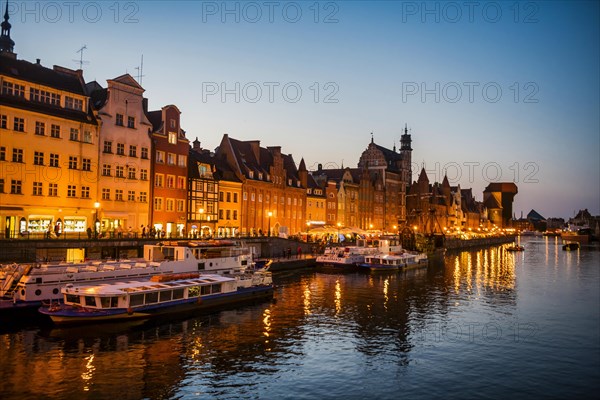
(106, 170)
(17, 155)
(228, 214)
(1, 185)
(105, 194)
(71, 191)
(38, 158)
(53, 160)
(170, 181)
(235, 197)
(160, 157)
(74, 135)
(180, 205)
(252, 196)
(53, 189)
(107, 147)
(19, 124)
(260, 197)
(143, 197)
(85, 192)
(170, 204)
(86, 164)
(15, 186)
(221, 213)
(120, 172)
(3, 122)
(120, 149)
(251, 174)
(72, 162)
(73, 104)
(180, 182)
(119, 194)
(235, 215)
(40, 128)
(13, 89)
(44, 96)
(132, 151)
(182, 161)
(131, 195)
(131, 173)
(157, 203)
(55, 131)
(171, 159)
(229, 197)
(159, 180)
(37, 188)
(145, 153)
(119, 120)
(144, 174)
(221, 196)
(131, 122)
(87, 137)
(172, 138)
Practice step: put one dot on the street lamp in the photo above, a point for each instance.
(96, 221)
(269, 215)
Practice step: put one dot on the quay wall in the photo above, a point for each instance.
(460, 244)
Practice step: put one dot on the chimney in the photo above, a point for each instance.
(196, 145)
(37, 61)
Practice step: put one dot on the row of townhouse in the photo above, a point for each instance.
(77, 157)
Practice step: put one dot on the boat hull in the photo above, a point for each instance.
(69, 316)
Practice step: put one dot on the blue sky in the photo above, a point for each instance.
(492, 91)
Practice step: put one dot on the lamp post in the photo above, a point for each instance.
(338, 231)
(96, 221)
(269, 215)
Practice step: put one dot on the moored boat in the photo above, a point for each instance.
(28, 285)
(159, 296)
(515, 247)
(391, 257)
(570, 246)
(347, 256)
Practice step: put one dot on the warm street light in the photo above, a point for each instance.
(201, 211)
(96, 220)
(269, 215)
(338, 231)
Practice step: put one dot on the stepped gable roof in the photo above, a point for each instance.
(391, 157)
(58, 78)
(492, 202)
(504, 187)
(128, 80)
(535, 216)
(583, 214)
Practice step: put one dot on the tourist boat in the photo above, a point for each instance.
(392, 257)
(583, 235)
(28, 285)
(515, 247)
(347, 256)
(159, 296)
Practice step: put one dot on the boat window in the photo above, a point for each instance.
(71, 298)
(216, 288)
(205, 290)
(90, 301)
(151, 297)
(200, 266)
(165, 295)
(109, 302)
(136, 300)
(193, 291)
(177, 294)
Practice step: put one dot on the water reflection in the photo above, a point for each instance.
(327, 329)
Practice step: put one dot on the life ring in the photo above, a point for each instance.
(129, 310)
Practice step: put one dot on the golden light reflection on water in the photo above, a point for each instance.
(306, 299)
(386, 285)
(492, 268)
(88, 373)
(338, 297)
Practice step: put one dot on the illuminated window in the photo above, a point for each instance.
(87, 137)
(158, 203)
(182, 161)
(172, 138)
(170, 204)
(159, 180)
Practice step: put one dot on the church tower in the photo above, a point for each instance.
(6, 43)
(406, 153)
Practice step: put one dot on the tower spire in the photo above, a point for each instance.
(6, 43)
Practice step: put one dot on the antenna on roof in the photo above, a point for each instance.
(81, 61)
(140, 70)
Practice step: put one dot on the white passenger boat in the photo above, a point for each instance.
(28, 285)
(347, 256)
(162, 295)
(392, 257)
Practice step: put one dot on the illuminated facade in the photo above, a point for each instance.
(273, 196)
(124, 156)
(170, 171)
(203, 193)
(48, 148)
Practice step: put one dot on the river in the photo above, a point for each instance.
(483, 323)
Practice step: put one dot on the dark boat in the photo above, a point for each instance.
(570, 246)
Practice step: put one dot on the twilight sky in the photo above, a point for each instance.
(492, 91)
